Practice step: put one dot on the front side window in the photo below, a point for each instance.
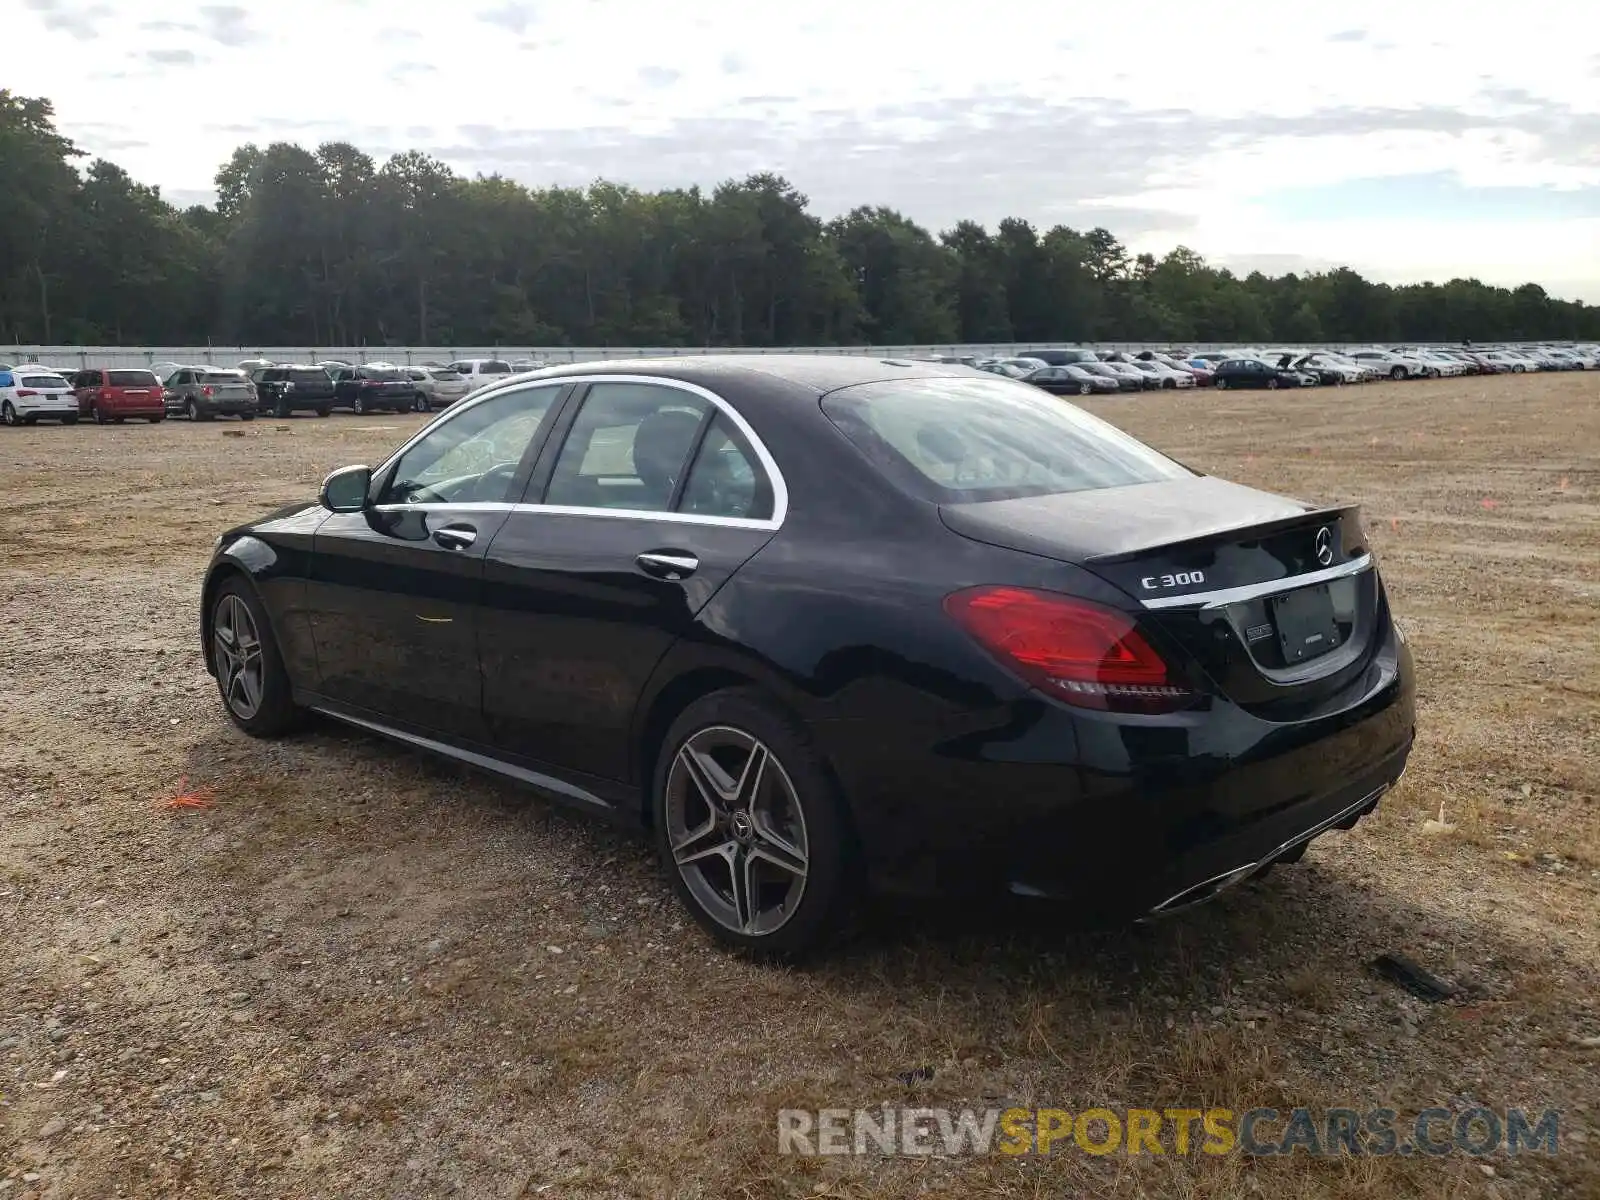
(627, 448)
(472, 457)
(957, 440)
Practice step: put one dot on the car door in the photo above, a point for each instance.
(394, 590)
(650, 495)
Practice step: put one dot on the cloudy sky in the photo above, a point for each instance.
(1418, 139)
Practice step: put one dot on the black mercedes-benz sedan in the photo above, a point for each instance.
(820, 622)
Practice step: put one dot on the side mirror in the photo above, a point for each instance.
(345, 491)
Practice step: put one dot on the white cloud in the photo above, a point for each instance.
(941, 109)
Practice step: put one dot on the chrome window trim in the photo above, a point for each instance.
(780, 487)
(1255, 591)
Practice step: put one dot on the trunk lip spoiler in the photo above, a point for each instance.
(1223, 597)
(1255, 530)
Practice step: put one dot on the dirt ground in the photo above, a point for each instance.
(364, 973)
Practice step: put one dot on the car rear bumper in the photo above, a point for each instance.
(45, 406)
(1123, 815)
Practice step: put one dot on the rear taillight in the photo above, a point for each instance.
(23, 392)
(1077, 651)
(208, 390)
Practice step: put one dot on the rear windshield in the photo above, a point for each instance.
(446, 376)
(131, 379)
(43, 381)
(495, 368)
(221, 377)
(381, 375)
(308, 376)
(958, 440)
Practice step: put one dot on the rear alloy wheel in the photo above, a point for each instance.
(250, 675)
(420, 404)
(1398, 373)
(8, 414)
(750, 827)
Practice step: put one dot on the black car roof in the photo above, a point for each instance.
(816, 373)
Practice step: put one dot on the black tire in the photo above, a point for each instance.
(359, 406)
(157, 419)
(1398, 373)
(30, 420)
(118, 420)
(98, 414)
(325, 410)
(281, 409)
(1518, 369)
(832, 875)
(191, 409)
(8, 414)
(419, 403)
(277, 713)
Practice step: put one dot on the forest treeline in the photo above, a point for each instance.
(327, 246)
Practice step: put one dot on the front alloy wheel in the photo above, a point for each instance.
(9, 414)
(245, 659)
(236, 650)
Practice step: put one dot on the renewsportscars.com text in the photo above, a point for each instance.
(1377, 1132)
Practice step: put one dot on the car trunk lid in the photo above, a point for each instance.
(1274, 599)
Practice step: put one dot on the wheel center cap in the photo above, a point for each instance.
(741, 826)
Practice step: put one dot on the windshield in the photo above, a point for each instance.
(957, 440)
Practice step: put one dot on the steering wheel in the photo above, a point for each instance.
(492, 483)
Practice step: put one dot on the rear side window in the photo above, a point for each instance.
(958, 440)
(723, 480)
(132, 379)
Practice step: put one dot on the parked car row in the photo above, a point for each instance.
(31, 391)
(1082, 372)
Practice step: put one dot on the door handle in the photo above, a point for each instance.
(455, 537)
(669, 565)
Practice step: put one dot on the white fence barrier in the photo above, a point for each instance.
(142, 356)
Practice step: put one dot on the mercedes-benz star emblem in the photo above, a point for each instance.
(1325, 546)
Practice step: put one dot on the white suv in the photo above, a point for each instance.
(30, 391)
(480, 372)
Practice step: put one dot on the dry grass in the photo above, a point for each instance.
(364, 973)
